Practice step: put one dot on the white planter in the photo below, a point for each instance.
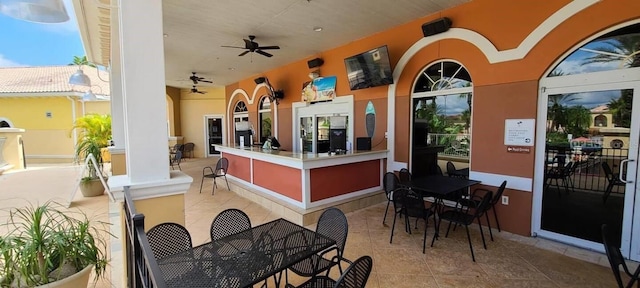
(80, 279)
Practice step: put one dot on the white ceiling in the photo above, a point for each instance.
(196, 29)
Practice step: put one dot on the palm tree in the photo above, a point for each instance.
(623, 48)
(77, 60)
(621, 108)
(578, 120)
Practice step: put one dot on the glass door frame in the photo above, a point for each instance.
(206, 132)
(597, 81)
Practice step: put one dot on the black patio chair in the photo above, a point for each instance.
(187, 150)
(560, 174)
(613, 179)
(451, 169)
(390, 182)
(411, 204)
(175, 160)
(466, 215)
(355, 276)
(405, 177)
(615, 258)
(229, 222)
(168, 239)
(221, 171)
(497, 197)
(333, 224)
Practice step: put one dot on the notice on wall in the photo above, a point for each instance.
(519, 132)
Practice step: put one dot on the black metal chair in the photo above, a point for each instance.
(390, 182)
(355, 276)
(176, 159)
(613, 179)
(497, 197)
(615, 258)
(221, 171)
(405, 177)
(561, 173)
(411, 204)
(168, 239)
(333, 224)
(465, 215)
(229, 222)
(451, 169)
(187, 150)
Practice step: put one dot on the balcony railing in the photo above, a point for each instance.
(456, 145)
(142, 268)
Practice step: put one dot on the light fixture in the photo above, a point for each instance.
(315, 74)
(41, 11)
(89, 96)
(317, 28)
(79, 78)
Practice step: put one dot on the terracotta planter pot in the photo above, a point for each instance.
(80, 279)
(91, 188)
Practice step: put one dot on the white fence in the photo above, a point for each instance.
(456, 145)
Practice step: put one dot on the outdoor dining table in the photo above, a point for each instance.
(243, 259)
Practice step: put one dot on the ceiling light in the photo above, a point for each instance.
(79, 78)
(231, 68)
(317, 29)
(165, 35)
(41, 11)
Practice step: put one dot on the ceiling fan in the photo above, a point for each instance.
(252, 46)
(195, 90)
(197, 79)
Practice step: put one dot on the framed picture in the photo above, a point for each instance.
(320, 89)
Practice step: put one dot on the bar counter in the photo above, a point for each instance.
(306, 180)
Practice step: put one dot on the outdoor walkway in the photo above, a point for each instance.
(510, 261)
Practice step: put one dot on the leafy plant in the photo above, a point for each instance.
(95, 134)
(47, 243)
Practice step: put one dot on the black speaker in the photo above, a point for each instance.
(260, 80)
(436, 26)
(313, 63)
(363, 143)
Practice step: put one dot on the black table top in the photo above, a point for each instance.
(441, 185)
(243, 259)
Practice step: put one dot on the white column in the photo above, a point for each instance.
(115, 76)
(145, 116)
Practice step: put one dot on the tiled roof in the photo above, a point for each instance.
(600, 109)
(50, 79)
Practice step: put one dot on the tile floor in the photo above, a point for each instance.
(509, 261)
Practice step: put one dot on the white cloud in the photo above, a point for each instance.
(4, 62)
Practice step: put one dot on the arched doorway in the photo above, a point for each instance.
(577, 161)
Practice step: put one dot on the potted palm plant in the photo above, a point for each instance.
(95, 134)
(49, 245)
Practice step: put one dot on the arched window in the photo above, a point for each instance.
(442, 108)
(240, 114)
(600, 121)
(4, 124)
(265, 119)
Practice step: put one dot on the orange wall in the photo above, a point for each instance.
(332, 181)
(239, 166)
(501, 90)
(281, 179)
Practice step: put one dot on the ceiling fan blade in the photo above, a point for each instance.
(225, 46)
(201, 92)
(206, 81)
(244, 53)
(269, 47)
(263, 53)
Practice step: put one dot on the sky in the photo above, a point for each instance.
(25, 43)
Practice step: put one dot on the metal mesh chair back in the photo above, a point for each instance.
(188, 148)
(229, 222)
(333, 224)
(614, 255)
(390, 183)
(451, 169)
(168, 238)
(404, 176)
(439, 170)
(498, 194)
(410, 202)
(222, 166)
(607, 171)
(357, 274)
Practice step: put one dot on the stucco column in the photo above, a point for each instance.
(118, 159)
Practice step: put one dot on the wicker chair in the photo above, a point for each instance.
(167, 239)
(333, 224)
(229, 222)
(355, 276)
(221, 171)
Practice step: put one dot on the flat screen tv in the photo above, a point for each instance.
(369, 69)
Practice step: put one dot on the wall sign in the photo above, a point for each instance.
(519, 149)
(519, 132)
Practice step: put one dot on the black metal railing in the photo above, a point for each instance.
(587, 173)
(142, 268)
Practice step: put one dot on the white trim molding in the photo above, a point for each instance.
(513, 182)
